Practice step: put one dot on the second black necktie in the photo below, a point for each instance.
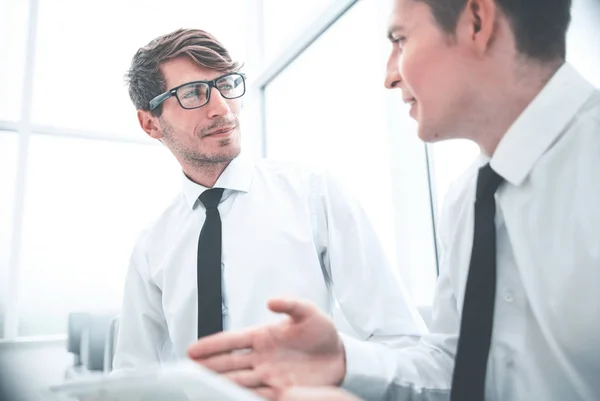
(468, 382)
(210, 300)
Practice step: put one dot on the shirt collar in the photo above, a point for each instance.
(540, 125)
(237, 176)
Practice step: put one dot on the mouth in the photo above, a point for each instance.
(221, 131)
(411, 101)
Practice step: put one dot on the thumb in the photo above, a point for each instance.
(296, 309)
(316, 394)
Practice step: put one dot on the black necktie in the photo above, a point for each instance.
(468, 382)
(210, 313)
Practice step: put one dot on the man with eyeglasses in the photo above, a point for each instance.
(242, 231)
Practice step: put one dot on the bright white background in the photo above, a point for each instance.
(79, 179)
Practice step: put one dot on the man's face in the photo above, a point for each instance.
(431, 71)
(209, 134)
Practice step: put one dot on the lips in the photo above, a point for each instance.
(221, 131)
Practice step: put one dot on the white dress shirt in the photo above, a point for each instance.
(287, 231)
(546, 333)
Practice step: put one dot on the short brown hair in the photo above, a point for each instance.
(539, 26)
(146, 81)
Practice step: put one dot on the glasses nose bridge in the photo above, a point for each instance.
(211, 85)
(221, 101)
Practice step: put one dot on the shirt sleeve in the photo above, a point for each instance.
(142, 326)
(419, 372)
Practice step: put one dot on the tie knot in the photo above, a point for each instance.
(488, 182)
(211, 198)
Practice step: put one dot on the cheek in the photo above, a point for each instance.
(184, 121)
(235, 105)
(413, 69)
(425, 73)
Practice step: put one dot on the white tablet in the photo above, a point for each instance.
(181, 381)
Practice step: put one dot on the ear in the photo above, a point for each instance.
(477, 24)
(149, 124)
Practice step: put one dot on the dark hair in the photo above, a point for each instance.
(146, 81)
(540, 26)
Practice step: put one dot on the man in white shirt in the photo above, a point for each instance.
(520, 231)
(210, 262)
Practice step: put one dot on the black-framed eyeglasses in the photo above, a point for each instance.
(196, 94)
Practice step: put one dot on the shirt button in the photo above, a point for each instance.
(508, 296)
(510, 364)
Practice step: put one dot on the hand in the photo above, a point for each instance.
(316, 394)
(303, 350)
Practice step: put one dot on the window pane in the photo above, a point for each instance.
(285, 20)
(449, 160)
(8, 169)
(86, 202)
(320, 113)
(81, 61)
(583, 46)
(13, 34)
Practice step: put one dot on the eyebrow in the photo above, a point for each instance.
(392, 30)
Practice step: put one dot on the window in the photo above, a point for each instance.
(13, 33)
(8, 170)
(329, 107)
(86, 202)
(449, 159)
(415, 243)
(285, 20)
(583, 48)
(321, 113)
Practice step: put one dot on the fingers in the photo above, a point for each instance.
(316, 394)
(267, 392)
(220, 343)
(245, 378)
(296, 309)
(228, 362)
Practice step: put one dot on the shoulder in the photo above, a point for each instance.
(577, 151)
(292, 175)
(163, 225)
(289, 169)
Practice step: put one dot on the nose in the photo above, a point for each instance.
(217, 105)
(393, 79)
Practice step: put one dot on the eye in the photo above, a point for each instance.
(399, 41)
(192, 91)
(189, 94)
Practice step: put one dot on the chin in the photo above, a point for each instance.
(228, 153)
(431, 132)
(426, 135)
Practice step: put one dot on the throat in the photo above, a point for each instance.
(205, 173)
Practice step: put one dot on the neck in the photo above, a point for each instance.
(504, 103)
(206, 173)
